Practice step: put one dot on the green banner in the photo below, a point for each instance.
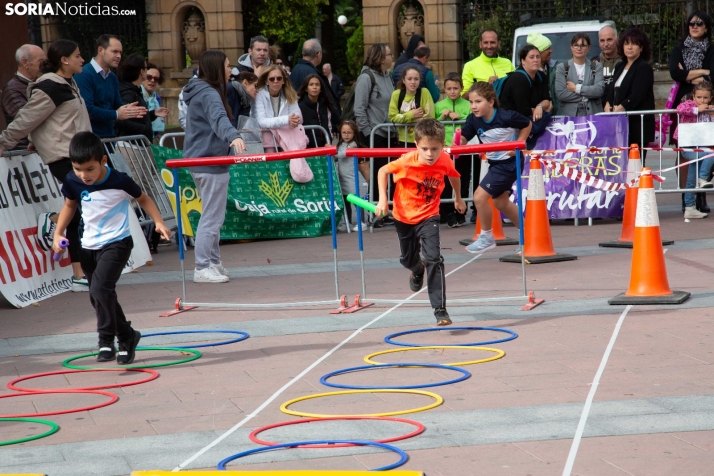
(263, 199)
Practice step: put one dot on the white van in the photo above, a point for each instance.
(560, 34)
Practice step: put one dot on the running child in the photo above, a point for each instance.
(492, 125)
(420, 178)
(104, 196)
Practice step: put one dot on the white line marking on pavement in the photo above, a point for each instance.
(589, 400)
(302, 374)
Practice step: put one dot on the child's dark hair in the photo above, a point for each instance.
(86, 146)
(355, 130)
(400, 84)
(429, 129)
(486, 91)
(455, 77)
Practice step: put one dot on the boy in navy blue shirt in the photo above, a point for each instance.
(103, 196)
(493, 125)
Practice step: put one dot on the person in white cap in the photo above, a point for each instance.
(547, 65)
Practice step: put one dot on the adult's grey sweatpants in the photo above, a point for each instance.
(213, 189)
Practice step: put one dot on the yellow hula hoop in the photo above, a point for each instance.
(438, 400)
(499, 353)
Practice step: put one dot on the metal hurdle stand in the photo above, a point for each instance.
(182, 304)
(531, 301)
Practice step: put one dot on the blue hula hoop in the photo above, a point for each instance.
(404, 457)
(466, 374)
(512, 335)
(243, 336)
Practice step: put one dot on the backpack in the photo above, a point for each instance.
(348, 112)
(402, 95)
(498, 84)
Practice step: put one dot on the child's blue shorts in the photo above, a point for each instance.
(500, 177)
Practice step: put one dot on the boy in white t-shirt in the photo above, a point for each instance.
(103, 196)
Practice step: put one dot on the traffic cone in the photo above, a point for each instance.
(634, 166)
(648, 273)
(496, 226)
(538, 246)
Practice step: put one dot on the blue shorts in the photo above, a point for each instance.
(500, 177)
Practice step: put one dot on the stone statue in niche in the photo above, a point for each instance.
(409, 23)
(194, 36)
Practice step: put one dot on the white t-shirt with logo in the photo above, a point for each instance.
(104, 205)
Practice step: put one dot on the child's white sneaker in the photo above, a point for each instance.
(691, 212)
(364, 227)
(208, 275)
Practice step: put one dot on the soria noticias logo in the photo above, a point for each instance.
(62, 8)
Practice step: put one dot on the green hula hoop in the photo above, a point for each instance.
(196, 355)
(54, 428)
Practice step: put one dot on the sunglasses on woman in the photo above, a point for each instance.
(275, 79)
(150, 77)
(692, 24)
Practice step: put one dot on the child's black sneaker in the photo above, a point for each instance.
(127, 350)
(107, 352)
(455, 220)
(416, 282)
(442, 317)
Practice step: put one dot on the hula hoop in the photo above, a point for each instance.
(438, 400)
(54, 428)
(512, 335)
(419, 430)
(244, 336)
(11, 385)
(465, 374)
(196, 355)
(499, 353)
(404, 457)
(112, 399)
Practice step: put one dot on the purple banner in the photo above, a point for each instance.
(567, 198)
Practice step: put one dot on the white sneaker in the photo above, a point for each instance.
(208, 275)
(701, 183)
(691, 212)
(45, 231)
(482, 244)
(364, 227)
(80, 285)
(219, 267)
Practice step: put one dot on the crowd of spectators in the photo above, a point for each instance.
(62, 94)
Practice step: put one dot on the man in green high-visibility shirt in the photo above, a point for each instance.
(488, 66)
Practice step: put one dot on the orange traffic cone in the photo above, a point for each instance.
(648, 273)
(634, 166)
(538, 246)
(496, 226)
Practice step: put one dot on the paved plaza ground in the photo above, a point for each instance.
(652, 413)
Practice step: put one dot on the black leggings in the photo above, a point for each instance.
(59, 170)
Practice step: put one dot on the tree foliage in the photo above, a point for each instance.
(290, 21)
(355, 50)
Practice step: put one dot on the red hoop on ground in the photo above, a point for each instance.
(11, 385)
(420, 429)
(113, 398)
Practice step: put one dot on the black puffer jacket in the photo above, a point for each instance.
(315, 114)
(138, 126)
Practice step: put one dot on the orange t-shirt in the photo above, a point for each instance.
(419, 186)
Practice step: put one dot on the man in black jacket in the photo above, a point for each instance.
(307, 65)
(338, 87)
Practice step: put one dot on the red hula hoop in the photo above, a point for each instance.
(11, 385)
(113, 399)
(419, 430)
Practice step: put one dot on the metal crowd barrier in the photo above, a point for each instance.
(181, 303)
(662, 187)
(132, 155)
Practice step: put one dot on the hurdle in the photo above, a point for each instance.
(182, 304)
(531, 302)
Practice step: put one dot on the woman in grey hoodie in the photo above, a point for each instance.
(211, 134)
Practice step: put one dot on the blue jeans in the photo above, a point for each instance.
(705, 166)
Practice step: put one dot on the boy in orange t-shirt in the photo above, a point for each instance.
(420, 179)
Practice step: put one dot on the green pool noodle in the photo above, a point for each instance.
(352, 198)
